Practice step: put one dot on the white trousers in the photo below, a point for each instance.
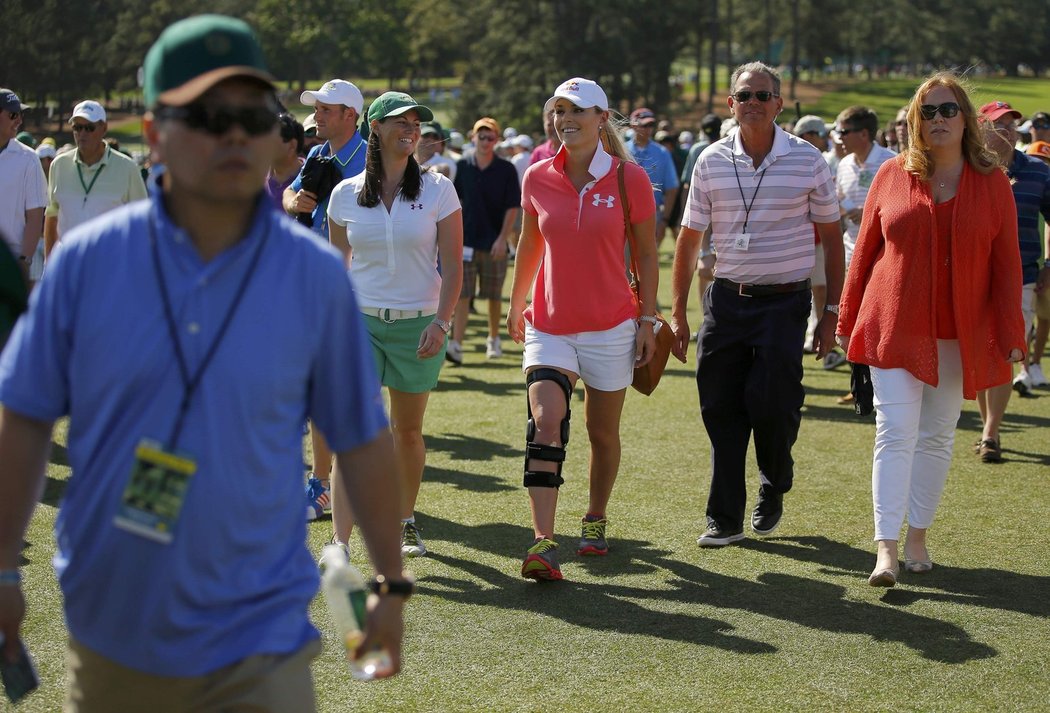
(914, 433)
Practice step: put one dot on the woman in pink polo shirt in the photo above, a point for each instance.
(584, 320)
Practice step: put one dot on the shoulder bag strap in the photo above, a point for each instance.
(627, 225)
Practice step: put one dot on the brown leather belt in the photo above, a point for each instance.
(763, 290)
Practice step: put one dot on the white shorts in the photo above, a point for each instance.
(1028, 307)
(604, 360)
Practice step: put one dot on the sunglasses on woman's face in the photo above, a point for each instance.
(947, 110)
(762, 96)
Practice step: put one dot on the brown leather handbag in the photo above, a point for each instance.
(647, 377)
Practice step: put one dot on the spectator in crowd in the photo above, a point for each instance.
(90, 181)
(392, 223)
(23, 190)
(488, 189)
(760, 190)
(522, 157)
(812, 129)
(580, 328)
(171, 421)
(46, 152)
(901, 125)
(658, 164)
(1030, 183)
(549, 147)
(337, 110)
(430, 151)
(931, 305)
(1041, 150)
(310, 137)
(289, 159)
(1041, 127)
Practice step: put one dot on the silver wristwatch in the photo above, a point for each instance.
(834, 309)
(443, 324)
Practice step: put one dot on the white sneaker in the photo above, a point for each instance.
(1035, 373)
(326, 554)
(1023, 384)
(493, 348)
(454, 352)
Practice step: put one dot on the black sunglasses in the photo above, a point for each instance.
(947, 110)
(1040, 125)
(216, 121)
(762, 96)
(846, 132)
(89, 128)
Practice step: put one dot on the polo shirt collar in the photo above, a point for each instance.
(167, 230)
(781, 144)
(600, 164)
(100, 162)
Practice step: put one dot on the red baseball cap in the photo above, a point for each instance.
(993, 111)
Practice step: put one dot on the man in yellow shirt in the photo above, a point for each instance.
(90, 181)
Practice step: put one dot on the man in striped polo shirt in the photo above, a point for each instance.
(760, 190)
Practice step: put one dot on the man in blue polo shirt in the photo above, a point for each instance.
(337, 109)
(658, 163)
(180, 540)
(1030, 179)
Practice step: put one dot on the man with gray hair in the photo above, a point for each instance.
(760, 190)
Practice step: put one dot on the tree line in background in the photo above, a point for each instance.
(508, 55)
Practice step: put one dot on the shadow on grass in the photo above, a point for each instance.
(465, 447)
(595, 606)
(807, 602)
(59, 454)
(461, 480)
(983, 587)
(459, 379)
(54, 491)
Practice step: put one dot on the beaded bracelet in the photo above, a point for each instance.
(10, 577)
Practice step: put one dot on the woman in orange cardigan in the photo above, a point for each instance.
(930, 303)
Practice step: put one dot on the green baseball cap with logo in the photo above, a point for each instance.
(395, 104)
(193, 55)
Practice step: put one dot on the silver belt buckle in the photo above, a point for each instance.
(384, 314)
(740, 290)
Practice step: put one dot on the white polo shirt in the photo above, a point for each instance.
(852, 181)
(78, 192)
(395, 253)
(442, 160)
(22, 187)
(789, 191)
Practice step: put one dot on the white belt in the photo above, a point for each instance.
(392, 315)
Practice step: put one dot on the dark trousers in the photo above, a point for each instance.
(749, 375)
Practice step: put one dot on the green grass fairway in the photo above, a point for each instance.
(783, 623)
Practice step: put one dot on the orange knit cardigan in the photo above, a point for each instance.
(888, 305)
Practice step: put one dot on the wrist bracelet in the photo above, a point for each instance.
(401, 587)
(651, 319)
(706, 253)
(10, 577)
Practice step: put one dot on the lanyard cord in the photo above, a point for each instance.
(747, 208)
(88, 186)
(190, 384)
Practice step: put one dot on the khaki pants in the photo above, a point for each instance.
(265, 683)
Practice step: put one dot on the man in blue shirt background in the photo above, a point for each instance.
(186, 337)
(658, 163)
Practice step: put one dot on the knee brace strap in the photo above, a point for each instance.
(541, 478)
(545, 374)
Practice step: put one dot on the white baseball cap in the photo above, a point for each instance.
(510, 132)
(90, 111)
(336, 91)
(310, 122)
(582, 92)
(45, 151)
(523, 141)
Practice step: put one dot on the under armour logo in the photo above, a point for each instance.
(415, 206)
(608, 200)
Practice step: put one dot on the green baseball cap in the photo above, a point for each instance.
(193, 55)
(395, 104)
(26, 138)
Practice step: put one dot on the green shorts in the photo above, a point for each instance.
(394, 346)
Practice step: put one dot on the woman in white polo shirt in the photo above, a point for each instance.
(393, 223)
(584, 321)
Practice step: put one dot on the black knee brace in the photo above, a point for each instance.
(537, 451)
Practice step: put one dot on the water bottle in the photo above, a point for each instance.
(346, 596)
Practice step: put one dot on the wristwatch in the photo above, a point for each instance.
(443, 324)
(651, 319)
(400, 587)
(834, 309)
